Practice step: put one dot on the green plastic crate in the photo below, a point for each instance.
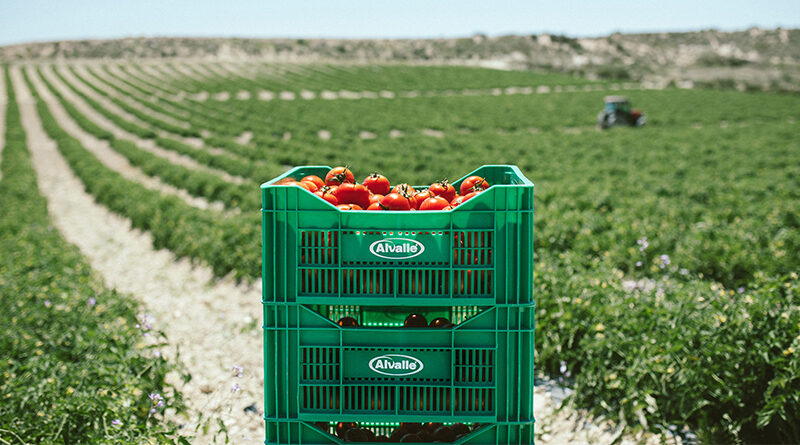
(475, 268)
(480, 253)
(479, 371)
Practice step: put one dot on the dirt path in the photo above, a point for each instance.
(214, 324)
(556, 425)
(144, 144)
(3, 104)
(108, 156)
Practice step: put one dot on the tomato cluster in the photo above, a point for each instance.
(412, 321)
(405, 432)
(340, 189)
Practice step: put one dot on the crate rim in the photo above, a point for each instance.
(525, 182)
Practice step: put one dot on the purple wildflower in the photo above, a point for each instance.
(238, 370)
(91, 301)
(664, 261)
(643, 244)
(116, 423)
(47, 303)
(740, 290)
(235, 387)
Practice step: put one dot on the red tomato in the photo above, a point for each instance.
(325, 193)
(395, 201)
(375, 206)
(404, 189)
(315, 179)
(312, 186)
(419, 198)
(443, 189)
(339, 175)
(462, 199)
(348, 193)
(375, 198)
(306, 185)
(434, 203)
(473, 183)
(285, 181)
(349, 207)
(378, 184)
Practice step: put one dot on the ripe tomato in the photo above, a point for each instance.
(434, 203)
(306, 185)
(375, 206)
(377, 183)
(286, 181)
(462, 199)
(347, 322)
(404, 189)
(325, 193)
(339, 175)
(312, 186)
(473, 183)
(315, 179)
(419, 198)
(348, 193)
(349, 207)
(444, 189)
(375, 198)
(395, 201)
(415, 321)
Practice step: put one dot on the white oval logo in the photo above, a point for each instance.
(396, 248)
(396, 365)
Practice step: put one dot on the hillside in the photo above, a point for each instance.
(751, 59)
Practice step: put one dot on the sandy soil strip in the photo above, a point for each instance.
(115, 69)
(558, 425)
(214, 324)
(144, 144)
(183, 70)
(238, 69)
(96, 73)
(218, 71)
(3, 103)
(105, 154)
(82, 87)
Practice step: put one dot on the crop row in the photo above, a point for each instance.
(197, 183)
(685, 147)
(139, 114)
(745, 233)
(185, 230)
(234, 165)
(72, 371)
(664, 352)
(216, 77)
(270, 121)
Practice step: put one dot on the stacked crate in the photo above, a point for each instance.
(472, 265)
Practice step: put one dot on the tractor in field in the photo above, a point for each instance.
(618, 111)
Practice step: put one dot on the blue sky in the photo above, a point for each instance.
(42, 20)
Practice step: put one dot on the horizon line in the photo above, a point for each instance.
(440, 37)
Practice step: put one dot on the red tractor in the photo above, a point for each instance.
(617, 111)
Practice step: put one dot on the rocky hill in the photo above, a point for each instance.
(752, 59)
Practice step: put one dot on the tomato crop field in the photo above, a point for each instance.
(666, 257)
